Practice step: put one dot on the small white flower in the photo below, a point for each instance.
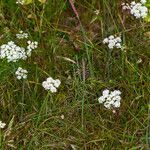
(118, 45)
(111, 45)
(22, 35)
(53, 89)
(50, 79)
(118, 39)
(111, 37)
(117, 104)
(51, 84)
(19, 77)
(21, 73)
(138, 9)
(105, 40)
(101, 99)
(113, 42)
(12, 52)
(105, 93)
(110, 99)
(31, 46)
(57, 83)
(2, 125)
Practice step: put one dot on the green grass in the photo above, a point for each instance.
(33, 116)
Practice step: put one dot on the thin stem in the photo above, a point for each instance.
(109, 66)
(44, 107)
(22, 99)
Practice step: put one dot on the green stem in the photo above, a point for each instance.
(22, 100)
(109, 66)
(44, 107)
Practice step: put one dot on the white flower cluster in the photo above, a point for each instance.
(110, 99)
(113, 42)
(51, 84)
(2, 125)
(22, 35)
(21, 73)
(138, 10)
(12, 52)
(20, 2)
(31, 46)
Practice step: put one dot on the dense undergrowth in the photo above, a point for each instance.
(71, 49)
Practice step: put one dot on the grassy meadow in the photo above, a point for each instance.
(70, 48)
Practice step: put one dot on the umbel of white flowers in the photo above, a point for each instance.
(22, 35)
(110, 98)
(13, 52)
(51, 84)
(113, 42)
(138, 10)
(21, 73)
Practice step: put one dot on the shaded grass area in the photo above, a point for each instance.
(37, 122)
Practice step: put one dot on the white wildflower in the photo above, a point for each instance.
(110, 99)
(138, 10)
(105, 93)
(51, 84)
(2, 125)
(21, 73)
(113, 42)
(111, 37)
(57, 83)
(31, 46)
(12, 52)
(105, 40)
(118, 45)
(22, 35)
